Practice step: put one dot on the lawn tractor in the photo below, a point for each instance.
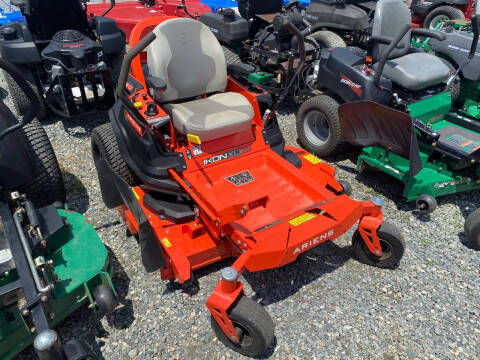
(254, 38)
(70, 61)
(194, 162)
(45, 274)
(429, 14)
(128, 13)
(465, 89)
(433, 151)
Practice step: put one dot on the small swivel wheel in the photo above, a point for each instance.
(391, 241)
(76, 349)
(105, 300)
(426, 203)
(253, 325)
(347, 188)
(472, 229)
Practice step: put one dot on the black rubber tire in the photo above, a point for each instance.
(105, 146)
(327, 39)
(347, 188)
(19, 99)
(472, 229)
(426, 203)
(456, 86)
(327, 108)
(253, 318)
(451, 12)
(393, 246)
(231, 57)
(47, 186)
(105, 300)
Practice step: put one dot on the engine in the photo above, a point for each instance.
(73, 52)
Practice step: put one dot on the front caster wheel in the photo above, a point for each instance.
(105, 300)
(426, 203)
(393, 247)
(472, 229)
(347, 188)
(253, 325)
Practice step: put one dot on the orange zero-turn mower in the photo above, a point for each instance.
(195, 163)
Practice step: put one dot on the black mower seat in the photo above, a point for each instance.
(214, 117)
(416, 71)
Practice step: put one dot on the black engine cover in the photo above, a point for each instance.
(73, 50)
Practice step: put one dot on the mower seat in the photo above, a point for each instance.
(412, 71)
(416, 71)
(189, 59)
(217, 116)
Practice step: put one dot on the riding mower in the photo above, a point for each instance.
(128, 13)
(70, 61)
(412, 135)
(429, 14)
(195, 164)
(44, 274)
(254, 38)
(455, 49)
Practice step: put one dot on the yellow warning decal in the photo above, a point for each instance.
(312, 158)
(166, 242)
(302, 219)
(194, 139)
(136, 195)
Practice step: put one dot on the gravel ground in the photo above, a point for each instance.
(325, 305)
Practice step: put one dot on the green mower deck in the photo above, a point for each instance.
(436, 178)
(81, 263)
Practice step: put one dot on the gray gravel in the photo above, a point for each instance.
(326, 305)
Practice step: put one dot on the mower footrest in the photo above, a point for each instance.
(171, 211)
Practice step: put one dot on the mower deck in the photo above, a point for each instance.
(77, 276)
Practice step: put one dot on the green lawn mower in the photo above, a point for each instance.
(455, 50)
(51, 260)
(382, 107)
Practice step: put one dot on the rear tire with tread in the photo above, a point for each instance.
(254, 324)
(318, 126)
(105, 146)
(451, 12)
(19, 98)
(231, 57)
(47, 186)
(456, 86)
(327, 39)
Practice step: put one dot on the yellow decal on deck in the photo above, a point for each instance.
(312, 158)
(194, 139)
(302, 219)
(136, 195)
(166, 242)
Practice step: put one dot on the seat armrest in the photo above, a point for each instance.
(240, 69)
(156, 83)
(440, 36)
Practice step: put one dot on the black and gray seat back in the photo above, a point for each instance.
(188, 58)
(390, 16)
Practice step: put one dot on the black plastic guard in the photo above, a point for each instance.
(365, 123)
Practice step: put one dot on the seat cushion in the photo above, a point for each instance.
(416, 71)
(214, 117)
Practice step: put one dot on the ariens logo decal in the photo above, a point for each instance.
(315, 241)
(227, 155)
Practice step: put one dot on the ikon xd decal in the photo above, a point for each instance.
(356, 88)
(226, 155)
(313, 242)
